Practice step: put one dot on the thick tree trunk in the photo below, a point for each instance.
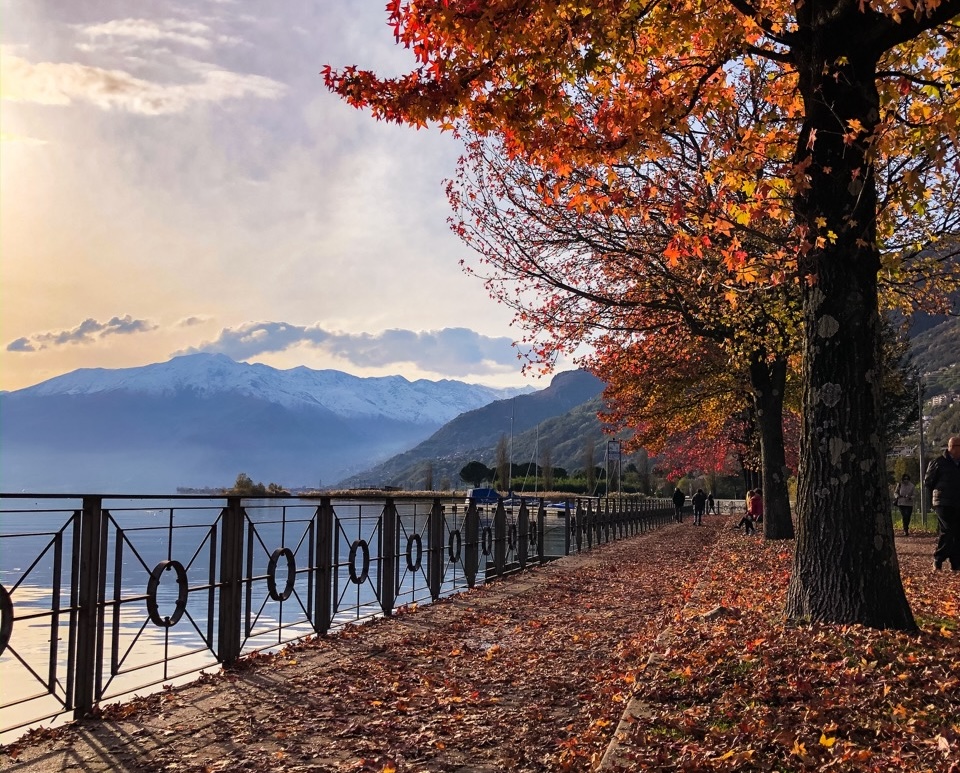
(768, 381)
(845, 566)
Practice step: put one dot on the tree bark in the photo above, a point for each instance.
(845, 566)
(768, 381)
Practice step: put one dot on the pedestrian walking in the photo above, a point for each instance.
(678, 499)
(699, 504)
(943, 479)
(711, 504)
(903, 496)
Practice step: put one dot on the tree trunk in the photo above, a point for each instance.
(845, 566)
(768, 381)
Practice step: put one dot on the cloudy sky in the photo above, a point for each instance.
(175, 178)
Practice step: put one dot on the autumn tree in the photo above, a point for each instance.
(583, 84)
(607, 277)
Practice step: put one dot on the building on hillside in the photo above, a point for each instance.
(947, 398)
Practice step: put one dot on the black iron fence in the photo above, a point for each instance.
(103, 597)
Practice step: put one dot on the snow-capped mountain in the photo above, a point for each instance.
(200, 419)
(210, 375)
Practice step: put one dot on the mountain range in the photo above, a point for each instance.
(198, 420)
(562, 417)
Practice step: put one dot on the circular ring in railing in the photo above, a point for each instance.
(362, 546)
(272, 573)
(453, 545)
(512, 536)
(414, 542)
(6, 618)
(180, 608)
(486, 541)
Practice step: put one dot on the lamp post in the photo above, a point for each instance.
(923, 493)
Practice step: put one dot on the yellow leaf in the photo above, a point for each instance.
(828, 742)
(798, 749)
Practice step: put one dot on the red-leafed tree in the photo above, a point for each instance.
(599, 268)
(862, 94)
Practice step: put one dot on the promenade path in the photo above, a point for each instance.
(531, 673)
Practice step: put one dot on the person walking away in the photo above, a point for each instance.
(678, 499)
(711, 504)
(903, 497)
(699, 503)
(943, 479)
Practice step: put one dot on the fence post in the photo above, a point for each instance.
(389, 546)
(588, 524)
(323, 575)
(89, 580)
(231, 575)
(435, 552)
(499, 540)
(542, 531)
(471, 525)
(523, 536)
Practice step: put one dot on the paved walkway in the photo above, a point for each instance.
(531, 673)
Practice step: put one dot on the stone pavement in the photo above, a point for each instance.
(523, 674)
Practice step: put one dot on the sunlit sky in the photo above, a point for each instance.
(176, 178)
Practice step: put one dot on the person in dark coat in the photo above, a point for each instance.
(943, 479)
(699, 505)
(678, 499)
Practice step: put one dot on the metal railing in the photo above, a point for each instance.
(103, 597)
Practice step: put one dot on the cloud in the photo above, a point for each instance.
(190, 33)
(194, 320)
(456, 351)
(56, 83)
(84, 333)
(20, 345)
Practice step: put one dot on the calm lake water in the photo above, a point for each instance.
(36, 546)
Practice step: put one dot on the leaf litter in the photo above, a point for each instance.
(534, 672)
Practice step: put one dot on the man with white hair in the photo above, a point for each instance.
(943, 479)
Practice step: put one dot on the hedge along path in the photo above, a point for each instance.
(531, 673)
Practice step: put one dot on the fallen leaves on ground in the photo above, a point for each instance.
(533, 673)
(743, 690)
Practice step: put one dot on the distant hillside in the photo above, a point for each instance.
(565, 412)
(937, 353)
